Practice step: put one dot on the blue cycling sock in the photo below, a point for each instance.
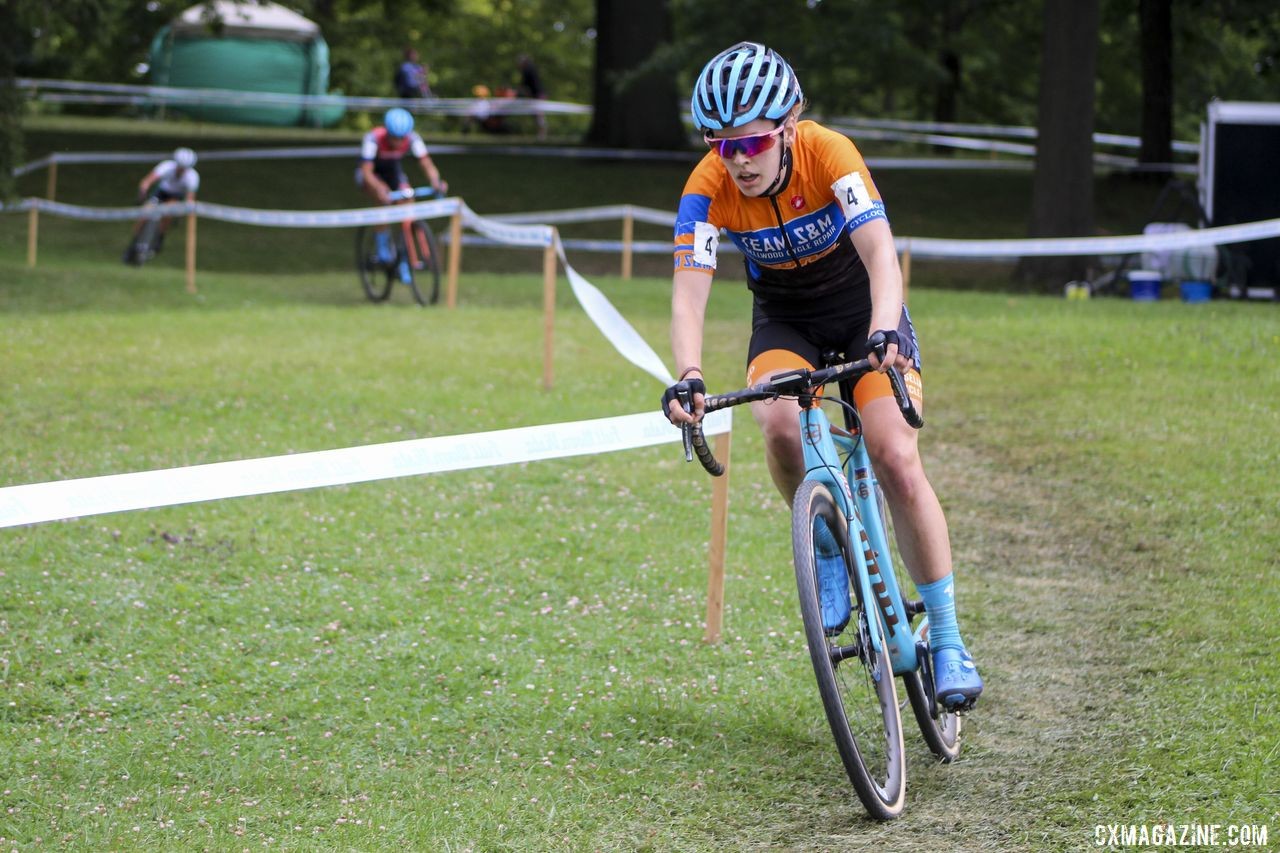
(824, 541)
(940, 605)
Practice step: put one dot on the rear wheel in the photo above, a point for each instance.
(941, 732)
(854, 679)
(375, 277)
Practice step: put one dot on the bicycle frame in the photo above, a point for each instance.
(417, 250)
(875, 574)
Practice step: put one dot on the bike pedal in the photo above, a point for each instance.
(961, 708)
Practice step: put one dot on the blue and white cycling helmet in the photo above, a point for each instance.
(184, 157)
(398, 122)
(739, 85)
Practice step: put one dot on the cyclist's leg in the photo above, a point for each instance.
(774, 348)
(920, 527)
(381, 236)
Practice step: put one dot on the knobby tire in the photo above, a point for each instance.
(858, 693)
(941, 733)
(375, 277)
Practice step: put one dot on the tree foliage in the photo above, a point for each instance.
(963, 60)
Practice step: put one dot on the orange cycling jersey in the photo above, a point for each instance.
(795, 242)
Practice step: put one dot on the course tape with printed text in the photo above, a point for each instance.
(41, 502)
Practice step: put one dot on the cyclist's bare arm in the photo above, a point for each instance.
(689, 292)
(433, 174)
(148, 181)
(874, 242)
(373, 182)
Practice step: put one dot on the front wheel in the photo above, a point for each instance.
(855, 680)
(375, 277)
(143, 246)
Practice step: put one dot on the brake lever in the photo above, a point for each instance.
(686, 430)
(904, 401)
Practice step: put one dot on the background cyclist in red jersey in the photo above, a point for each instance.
(381, 153)
(799, 203)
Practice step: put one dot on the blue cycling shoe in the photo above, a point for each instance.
(833, 593)
(386, 254)
(956, 680)
(405, 275)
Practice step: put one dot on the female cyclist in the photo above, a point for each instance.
(798, 201)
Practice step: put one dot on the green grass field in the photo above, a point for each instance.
(512, 658)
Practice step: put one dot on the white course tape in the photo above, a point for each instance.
(507, 229)
(621, 334)
(562, 152)
(625, 339)
(100, 214)
(123, 93)
(1022, 132)
(511, 234)
(925, 247)
(42, 502)
(329, 218)
(39, 502)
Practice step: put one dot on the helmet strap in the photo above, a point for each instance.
(784, 175)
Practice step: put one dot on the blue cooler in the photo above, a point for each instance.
(1144, 285)
(1196, 291)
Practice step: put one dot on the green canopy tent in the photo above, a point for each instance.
(245, 46)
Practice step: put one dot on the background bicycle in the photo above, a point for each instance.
(854, 665)
(146, 243)
(408, 253)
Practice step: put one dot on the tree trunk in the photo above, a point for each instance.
(636, 101)
(11, 101)
(1062, 189)
(1156, 22)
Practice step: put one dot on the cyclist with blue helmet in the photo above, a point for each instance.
(380, 170)
(798, 202)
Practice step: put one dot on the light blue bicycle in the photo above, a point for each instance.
(856, 665)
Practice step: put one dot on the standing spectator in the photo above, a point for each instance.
(531, 87)
(411, 77)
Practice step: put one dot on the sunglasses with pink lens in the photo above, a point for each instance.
(751, 145)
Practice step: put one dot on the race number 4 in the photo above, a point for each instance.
(851, 191)
(706, 242)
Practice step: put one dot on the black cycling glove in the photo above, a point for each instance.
(878, 342)
(692, 386)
